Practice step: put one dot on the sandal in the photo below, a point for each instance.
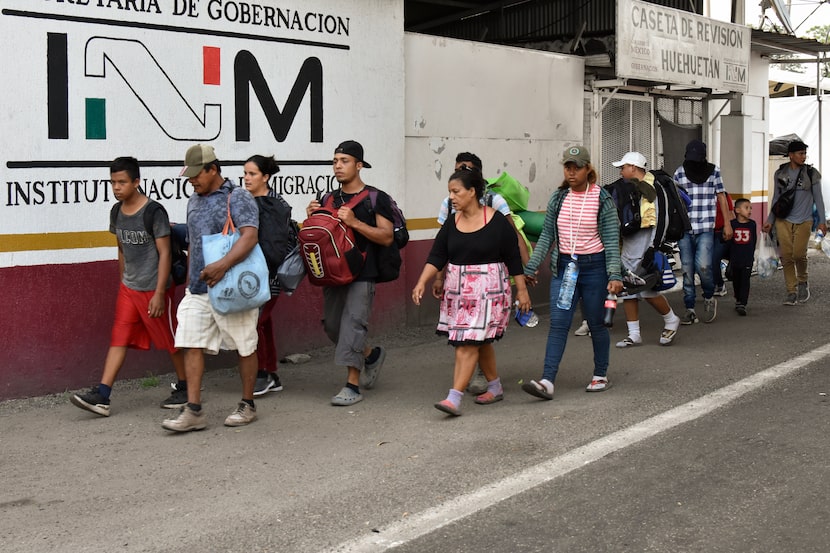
(447, 407)
(598, 384)
(667, 336)
(488, 397)
(628, 342)
(537, 390)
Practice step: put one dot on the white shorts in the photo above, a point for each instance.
(202, 327)
(644, 294)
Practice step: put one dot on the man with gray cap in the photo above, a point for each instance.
(793, 229)
(347, 308)
(704, 185)
(201, 329)
(635, 247)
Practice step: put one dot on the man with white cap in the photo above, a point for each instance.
(201, 329)
(635, 247)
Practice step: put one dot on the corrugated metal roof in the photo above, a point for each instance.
(517, 21)
(774, 45)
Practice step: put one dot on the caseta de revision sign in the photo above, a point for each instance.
(662, 44)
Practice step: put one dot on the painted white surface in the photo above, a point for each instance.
(147, 66)
(517, 109)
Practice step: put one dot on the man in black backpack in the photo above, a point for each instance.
(794, 228)
(145, 310)
(636, 249)
(347, 308)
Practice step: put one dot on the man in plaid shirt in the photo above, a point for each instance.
(704, 185)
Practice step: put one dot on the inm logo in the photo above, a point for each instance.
(179, 119)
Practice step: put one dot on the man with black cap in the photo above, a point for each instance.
(793, 230)
(703, 183)
(346, 309)
(201, 329)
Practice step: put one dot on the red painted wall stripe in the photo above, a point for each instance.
(212, 65)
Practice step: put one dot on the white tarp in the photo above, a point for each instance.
(799, 115)
(662, 44)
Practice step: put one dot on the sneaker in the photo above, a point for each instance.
(186, 420)
(741, 309)
(582, 330)
(177, 399)
(710, 309)
(370, 372)
(92, 401)
(720, 290)
(598, 384)
(667, 336)
(478, 383)
(244, 414)
(689, 318)
(791, 299)
(346, 396)
(628, 342)
(270, 382)
(803, 292)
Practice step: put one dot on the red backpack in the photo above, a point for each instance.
(328, 247)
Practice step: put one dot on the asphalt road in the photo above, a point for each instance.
(717, 443)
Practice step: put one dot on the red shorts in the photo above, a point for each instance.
(133, 326)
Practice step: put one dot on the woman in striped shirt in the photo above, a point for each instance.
(581, 226)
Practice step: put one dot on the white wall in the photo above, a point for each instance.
(147, 68)
(515, 108)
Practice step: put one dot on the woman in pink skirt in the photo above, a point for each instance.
(478, 246)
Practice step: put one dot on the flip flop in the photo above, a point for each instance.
(537, 390)
(488, 397)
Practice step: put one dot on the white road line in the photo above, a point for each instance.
(399, 533)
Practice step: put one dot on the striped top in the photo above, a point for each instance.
(578, 228)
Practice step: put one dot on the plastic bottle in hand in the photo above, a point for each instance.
(529, 319)
(819, 239)
(825, 246)
(568, 286)
(610, 309)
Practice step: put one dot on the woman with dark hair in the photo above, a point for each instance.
(479, 249)
(581, 227)
(273, 211)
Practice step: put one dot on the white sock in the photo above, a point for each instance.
(634, 330)
(547, 385)
(671, 321)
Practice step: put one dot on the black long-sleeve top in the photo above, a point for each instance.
(493, 243)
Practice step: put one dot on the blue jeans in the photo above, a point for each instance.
(592, 288)
(696, 257)
(720, 250)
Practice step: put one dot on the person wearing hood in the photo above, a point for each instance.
(703, 183)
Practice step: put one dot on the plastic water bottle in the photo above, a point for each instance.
(819, 239)
(566, 290)
(529, 319)
(825, 247)
(610, 309)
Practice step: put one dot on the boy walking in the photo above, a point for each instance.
(144, 310)
(742, 252)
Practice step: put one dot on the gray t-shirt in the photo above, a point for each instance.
(141, 258)
(207, 215)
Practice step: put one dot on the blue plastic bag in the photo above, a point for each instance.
(245, 285)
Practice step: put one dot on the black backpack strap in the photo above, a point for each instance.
(114, 213)
(149, 214)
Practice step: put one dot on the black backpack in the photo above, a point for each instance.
(178, 250)
(627, 197)
(673, 220)
(389, 257)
